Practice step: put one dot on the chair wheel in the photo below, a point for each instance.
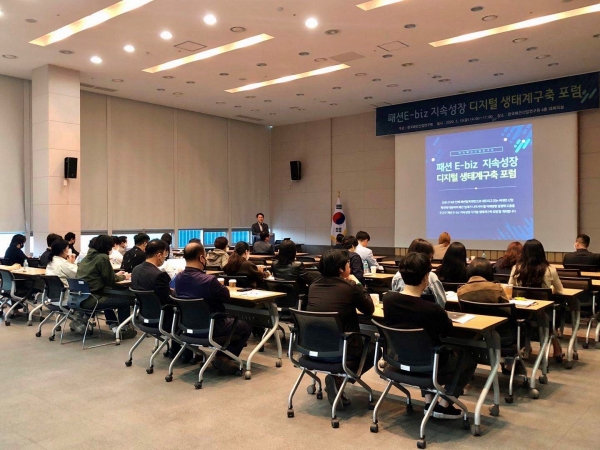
(169, 378)
(166, 354)
(558, 359)
(475, 430)
(58, 328)
(311, 389)
(422, 444)
(597, 344)
(509, 399)
(248, 375)
(409, 408)
(319, 395)
(466, 424)
(150, 370)
(568, 365)
(29, 323)
(7, 323)
(335, 423)
(128, 363)
(585, 345)
(117, 341)
(278, 363)
(198, 385)
(290, 413)
(534, 394)
(51, 338)
(238, 373)
(575, 356)
(543, 379)
(495, 410)
(262, 349)
(38, 334)
(374, 428)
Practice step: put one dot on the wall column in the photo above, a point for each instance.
(56, 134)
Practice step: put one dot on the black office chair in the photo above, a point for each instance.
(318, 335)
(587, 303)
(34, 263)
(53, 298)
(568, 272)
(501, 278)
(193, 327)
(410, 359)
(390, 269)
(433, 261)
(10, 292)
(293, 299)
(213, 268)
(451, 286)
(582, 267)
(312, 275)
(510, 334)
(309, 261)
(241, 280)
(148, 317)
(5, 262)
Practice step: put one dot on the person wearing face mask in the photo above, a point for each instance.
(238, 264)
(136, 255)
(62, 263)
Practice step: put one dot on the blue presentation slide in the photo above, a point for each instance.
(480, 184)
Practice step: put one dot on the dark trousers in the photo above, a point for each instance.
(108, 305)
(241, 334)
(456, 371)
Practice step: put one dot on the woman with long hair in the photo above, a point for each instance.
(505, 264)
(239, 264)
(454, 264)
(285, 266)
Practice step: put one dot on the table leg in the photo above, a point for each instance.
(492, 340)
(542, 358)
(119, 328)
(572, 351)
(274, 314)
(37, 308)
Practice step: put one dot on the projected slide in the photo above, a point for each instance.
(480, 184)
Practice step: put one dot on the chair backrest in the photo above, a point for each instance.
(390, 269)
(291, 288)
(242, 280)
(318, 334)
(501, 278)
(79, 291)
(584, 283)
(193, 315)
(409, 350)
(532, 293)
(54, 289)
(568, 272)
(452, 286)
(309, 259)
(34, 263)
(5, 261)
(436, 261)
(149, 306)
(213, 268)
(507, 331)
(8, 282)
(582, 267)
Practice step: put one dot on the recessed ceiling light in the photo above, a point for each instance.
(272, 114)
(209, 19)
(242, 79)
(66, 52)
(387, 55)
(435, 77)
(90, 21)
(237, 106)
(499, 74)
(323, 101)
(237, 29)
(489, 18)
(519, 25)
(300, 95)
(190, 82)
(117, 80)
(519, 40)
(337, 88)
(332, 31)
(166, 35)
(407, 64)
(368, 98)
(444, 80)
(160, 89)
(596, 35)
(303, 53)
(410, 26)
(168, 77)
(376, 79)
(261, 64)
(220, 103)
(542, 56)
(406, 90)
(392, 85)
(10, 56)
(333, 104)
(209, 53)
(224, 74)
(267, 101)
(250, 96)
(477, 8)
(288, 78)
(255, 110)
(472, 60)
(320, 59)
(129, 48)
(552, 64)
(30, 20)
(367, 6)
(311, 23)
(293, 107)
(530, 49)
(177, 93)
(1, 13)
(96, 59)
(360, 74)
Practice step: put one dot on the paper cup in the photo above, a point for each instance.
(232, 283)
(375, 298)
(260, 267)
(508, 290)
(221, 280)
(373, 270)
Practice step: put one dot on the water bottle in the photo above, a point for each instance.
(25, 265)
(483, 255)
(365, 266)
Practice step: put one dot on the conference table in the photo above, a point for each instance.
(479, 325)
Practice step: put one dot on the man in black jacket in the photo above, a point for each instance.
(137, 255)
(582, 255)
(46, 257)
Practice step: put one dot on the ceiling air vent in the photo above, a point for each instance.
(190, 46)
(346, 57)
(392, 46)
(254, 119)
(98, 88)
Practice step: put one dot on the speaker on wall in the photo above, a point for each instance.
(296, 170)
(70, 167)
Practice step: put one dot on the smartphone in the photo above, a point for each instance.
(245, 290)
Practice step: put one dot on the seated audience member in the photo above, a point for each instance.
(122, 245)
(286, 267)
(365, 253)
(115, 256)
(62, 263)
(340, 291)
(238, 264)
(218, 256)
(193, 282)
(454, 264)
(534, 270)
(194, 241)
(481, 287)
(137, 255)
(505, 263)
(263, 246)
(350, 243)
(168, 239)
(434, 287)
(338, 241)
(408, 310)
(70, 238)
(14, 252)
(96, 269)
(439, 250)
(46, 257)
(582, 255)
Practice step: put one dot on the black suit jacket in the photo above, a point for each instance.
(148, 277)
(582, 256)
(132, 259)
(256, 228)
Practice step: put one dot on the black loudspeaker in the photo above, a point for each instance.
(296, 170)
(70, 167)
